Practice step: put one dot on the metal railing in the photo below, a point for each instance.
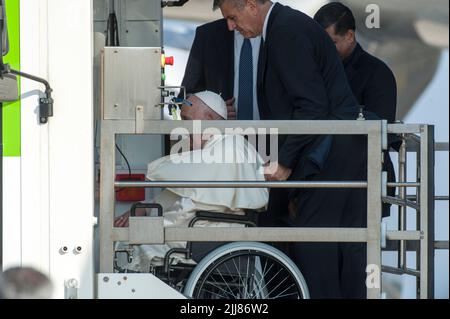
(424, 188)
(376, 132)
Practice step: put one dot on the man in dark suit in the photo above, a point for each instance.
(300, 77)
(372, 81)
(214, 64)
(374, 86)
(211, 59)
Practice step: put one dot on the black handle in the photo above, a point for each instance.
(146, 205)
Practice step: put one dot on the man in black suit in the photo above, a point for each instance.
(300, 77)
(210, 63)
(374, 86)
(214, 64)
(372, 81)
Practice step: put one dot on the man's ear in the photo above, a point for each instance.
(350, 35)
(210, 116)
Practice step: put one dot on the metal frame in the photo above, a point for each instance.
(420, 240)
(376, 131)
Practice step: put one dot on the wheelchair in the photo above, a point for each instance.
(237, 270)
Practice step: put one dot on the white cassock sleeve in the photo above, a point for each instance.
(223, 158)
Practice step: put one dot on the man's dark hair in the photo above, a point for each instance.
(337, 14)
(238, 3)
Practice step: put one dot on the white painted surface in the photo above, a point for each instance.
(34, 138)
(12, 228)
(134, 286)
(49, 191)
(70, 50)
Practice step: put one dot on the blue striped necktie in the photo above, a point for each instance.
(245, 98)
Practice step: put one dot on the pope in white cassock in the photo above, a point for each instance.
(210, 157)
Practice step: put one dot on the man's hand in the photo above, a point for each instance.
(231, 109)
(123, 220)
(276, 172)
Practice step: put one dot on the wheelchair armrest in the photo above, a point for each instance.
(248, 219)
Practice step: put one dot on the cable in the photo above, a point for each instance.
(178, 3)
(112, 30)
(128, 165)
(124, 157)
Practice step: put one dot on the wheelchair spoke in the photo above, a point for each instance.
(285, 295)
(273, 289)
(238, 272)
(258, 285)
(246, 278)
(214, 293)
(263, 276)
(218, 287)
(228, 269)
(281, 293)
(271, 280)
(220, 273)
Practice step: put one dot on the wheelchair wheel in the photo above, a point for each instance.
(247, 270)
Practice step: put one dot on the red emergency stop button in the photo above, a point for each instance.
(169, 60)
(166, 61)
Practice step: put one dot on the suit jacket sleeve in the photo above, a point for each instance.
(299, 73)
(194, 75)
(381, 93)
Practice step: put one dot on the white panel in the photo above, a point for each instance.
(34, 138)
(12, 229)
(134, 286)
(70, 48)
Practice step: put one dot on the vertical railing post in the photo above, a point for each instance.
(374, 189)
(418, 216)
(402, 192)
(107, 172)
(427, 212)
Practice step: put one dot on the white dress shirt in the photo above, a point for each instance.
(238, 42)
(266, 22)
